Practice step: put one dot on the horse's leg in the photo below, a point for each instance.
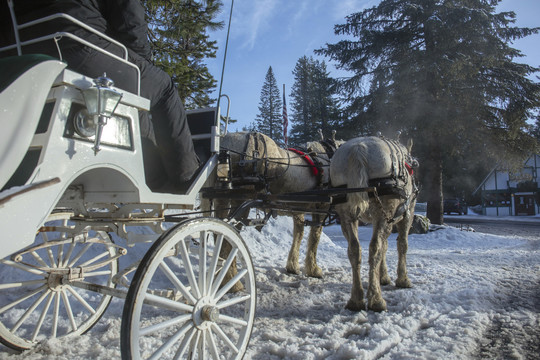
(383, 271)
(381, 231)
(298, 233)
(311, 267)
(354, 251)
(402, 245)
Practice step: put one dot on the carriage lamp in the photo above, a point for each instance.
(224, 169)
(101, 102)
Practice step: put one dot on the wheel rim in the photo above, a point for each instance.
(176, 308)
(37, 297)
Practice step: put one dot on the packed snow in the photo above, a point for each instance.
(474, 295)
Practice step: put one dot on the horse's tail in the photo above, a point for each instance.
(358, 176)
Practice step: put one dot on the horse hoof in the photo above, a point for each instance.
(355, 306)
(377, 306)
(317, 273)
(293, 271)
(386, 280)
(403, 283)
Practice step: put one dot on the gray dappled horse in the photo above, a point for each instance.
(256, 160)
(387, 165)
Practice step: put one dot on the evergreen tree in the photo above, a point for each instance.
(269, 120)
(443, 71)
(180, 43)
(312, 104)
(536, 128)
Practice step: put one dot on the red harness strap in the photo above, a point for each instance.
(306, 157)
(409, 169)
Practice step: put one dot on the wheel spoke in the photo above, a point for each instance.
(223, 271)
(189, 269)
(185, 343)
(194, 346)
(176, 282)
(230, 284)
(232, 320)
(213, 264)
(96, 258)
(56, 313)
(69, 312)
(68, 254)
(21, 284)
(212, 344)
(81, 300)
(67, 304)
(23, 267)
(42, 317)
(163, 325)
(225, 338)
(26, 297)
(172, 340)
(60, 254)
(165, 303)
(30, 310)
(202, 262)
(202, 344)
(233, 301)
(80, 254)
(39, 259)
(51, 257)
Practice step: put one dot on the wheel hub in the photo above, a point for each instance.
(205, 313)
(56, 282)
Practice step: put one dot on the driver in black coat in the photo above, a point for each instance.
(165, 129)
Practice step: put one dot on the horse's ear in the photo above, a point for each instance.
(409, 145)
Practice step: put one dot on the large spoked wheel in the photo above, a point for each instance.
(179, 305)
(39, 298)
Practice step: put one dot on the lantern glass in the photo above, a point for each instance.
(101, 100)
(91, 98)
(108, 101)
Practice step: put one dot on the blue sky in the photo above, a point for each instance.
(278, 32)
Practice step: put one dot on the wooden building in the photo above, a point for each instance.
(506, 193)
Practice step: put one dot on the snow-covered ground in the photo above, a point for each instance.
(474, 295)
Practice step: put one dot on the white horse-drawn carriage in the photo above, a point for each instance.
(68, 181)
(74, 200)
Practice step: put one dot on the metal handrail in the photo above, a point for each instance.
(79, 23)
(58, 35)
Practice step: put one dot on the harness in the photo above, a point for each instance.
(402, 173)
(314, 163)
(251, 173)
(314, 169)
(248, 163)
(329, 146)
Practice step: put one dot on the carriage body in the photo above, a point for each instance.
(56, 167)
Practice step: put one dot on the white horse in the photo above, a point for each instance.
(385, 164)
(257, 162)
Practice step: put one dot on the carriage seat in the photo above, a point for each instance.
(25, 82)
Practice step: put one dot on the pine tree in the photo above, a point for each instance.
(180, 43)
(269, 120)
(312, 104)
(443, 71)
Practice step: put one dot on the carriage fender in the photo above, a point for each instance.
(25, 82)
